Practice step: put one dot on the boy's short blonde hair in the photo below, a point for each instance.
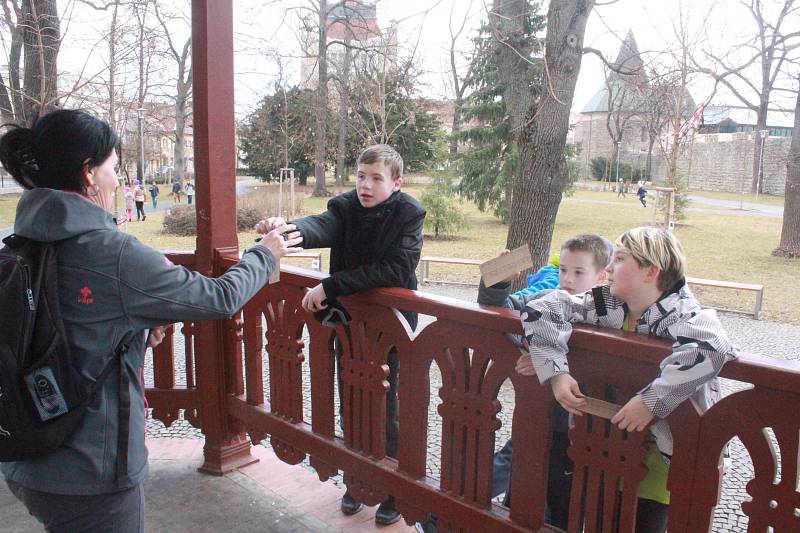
(385, 154)
(600, 248)
(657, 247)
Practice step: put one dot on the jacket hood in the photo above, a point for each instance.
(48, 215)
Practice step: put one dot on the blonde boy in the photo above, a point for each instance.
(646, 293)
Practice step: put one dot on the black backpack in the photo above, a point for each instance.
(43, 395)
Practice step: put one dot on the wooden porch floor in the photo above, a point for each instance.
(269, 495)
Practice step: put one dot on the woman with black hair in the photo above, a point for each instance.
(111, 287)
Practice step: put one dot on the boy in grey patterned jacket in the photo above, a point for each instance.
(646, 293)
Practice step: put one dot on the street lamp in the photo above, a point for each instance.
(763, 134)
(616, 179)
(140, 112)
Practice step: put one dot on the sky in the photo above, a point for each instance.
(715, 23)
(267, 50)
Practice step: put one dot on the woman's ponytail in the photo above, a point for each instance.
(17, 155)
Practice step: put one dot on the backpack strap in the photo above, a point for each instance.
(124, 409)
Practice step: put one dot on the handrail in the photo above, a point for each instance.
(475, 351)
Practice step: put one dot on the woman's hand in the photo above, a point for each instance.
(157, 335)
(280, 242)
(568, 393)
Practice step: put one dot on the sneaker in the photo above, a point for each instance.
(144, 218)
(350, 505)
(387, 514)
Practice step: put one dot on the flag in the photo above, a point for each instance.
(695, 121)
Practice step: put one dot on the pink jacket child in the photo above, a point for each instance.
(129, 203)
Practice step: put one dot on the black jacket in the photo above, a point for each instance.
(370, 248)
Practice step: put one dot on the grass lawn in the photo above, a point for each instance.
(8, 209)
(727, 247)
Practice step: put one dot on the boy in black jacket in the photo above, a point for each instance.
(375, 236)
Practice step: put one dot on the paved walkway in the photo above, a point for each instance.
(266, 496)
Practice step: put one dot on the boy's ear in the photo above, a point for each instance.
(601, 277)
(398, 182)
(653, 272)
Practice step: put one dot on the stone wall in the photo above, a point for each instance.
(724, 162)
(713, 162)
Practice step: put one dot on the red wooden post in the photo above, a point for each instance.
(226, 445)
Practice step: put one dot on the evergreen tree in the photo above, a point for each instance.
(488, 162)
(280, 131)
(443, 212)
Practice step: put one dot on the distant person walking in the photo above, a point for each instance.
(620, 188)
(176, 192)
(189, 192)
(154, 192)
(139, 198)
(642, 194)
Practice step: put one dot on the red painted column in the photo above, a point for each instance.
(226, 446)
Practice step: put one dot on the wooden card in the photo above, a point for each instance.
(600, 408)
(276, 274)
(505, 266)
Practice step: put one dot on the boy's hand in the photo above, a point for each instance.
(568, 393)
(312, 301)
(265, 226)
(634, 416)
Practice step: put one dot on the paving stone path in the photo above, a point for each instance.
(765, 338)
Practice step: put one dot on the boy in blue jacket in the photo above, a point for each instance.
(579, 267)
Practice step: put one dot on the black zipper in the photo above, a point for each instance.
(26, 270)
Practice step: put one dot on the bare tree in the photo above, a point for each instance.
(183, 91)
(35, 41)
(767, 50)
(458, 81)
(790, 232)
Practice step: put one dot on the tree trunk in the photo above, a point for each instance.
(344, 105)
(761, 124)
(790, 233)
(457, 104)
(542, 170)
(41, 38)
(184, 88)
(320, 153)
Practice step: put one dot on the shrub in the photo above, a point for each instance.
(444, 214)
(180, 220)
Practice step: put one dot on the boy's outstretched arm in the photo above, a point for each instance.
(394, 270)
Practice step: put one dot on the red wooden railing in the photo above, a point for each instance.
(475, 353)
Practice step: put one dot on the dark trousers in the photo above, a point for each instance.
(651, 516)
(139, 209)
(154, 199)
(96, 513)
(559, 478)
(392, 405)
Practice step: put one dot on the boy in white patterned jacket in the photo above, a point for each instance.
(646, 293)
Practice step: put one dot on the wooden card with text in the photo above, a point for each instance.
(505, 266)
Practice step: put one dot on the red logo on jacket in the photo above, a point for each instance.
(86, 296)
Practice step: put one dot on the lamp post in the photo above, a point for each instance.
(140, 113)
(616, 178)
(763, 134)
